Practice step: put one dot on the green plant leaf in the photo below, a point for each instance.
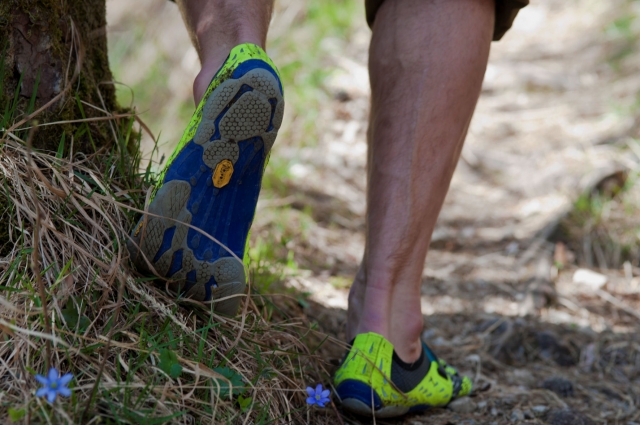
(16, 414)
(244, 402)
(237, 383)
(61, 146)
(169, 363)
(175, 370)
(81, 323)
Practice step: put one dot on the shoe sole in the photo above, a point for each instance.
(221, 167)
(359, 408)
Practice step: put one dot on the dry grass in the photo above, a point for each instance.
(69, 301)
(601, 229)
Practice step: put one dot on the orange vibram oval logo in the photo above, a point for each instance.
(222, 173)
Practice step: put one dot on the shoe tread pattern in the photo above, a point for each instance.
(246, 108)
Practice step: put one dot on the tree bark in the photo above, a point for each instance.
(42, 41)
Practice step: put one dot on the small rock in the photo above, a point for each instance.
(506, 401)
(521, 377)
(462, 405)
(562, 387)
(539, 410)
(589, 280)
(516, 415)
(528, 414)
(428, 334)
(482, 404)
(567, 417)
(439, 342)
(467, 422)
(494, 411)
(512, 248)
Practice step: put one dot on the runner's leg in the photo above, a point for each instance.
(427, 62)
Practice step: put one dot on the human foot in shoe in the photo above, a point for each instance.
(373, 380)
(212, 181)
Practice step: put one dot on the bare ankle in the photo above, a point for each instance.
(408, 350)
(212, 60)
(204, 77)
(218, 26)
(356, 305)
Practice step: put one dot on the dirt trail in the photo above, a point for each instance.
(541, 133)
(545, 129)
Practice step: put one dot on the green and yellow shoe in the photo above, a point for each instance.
(373, 380)
(212, 181)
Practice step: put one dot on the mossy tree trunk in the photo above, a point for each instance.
(41, 42)
(55, 52)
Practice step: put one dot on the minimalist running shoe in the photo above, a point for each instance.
(373, 380)
(212, 181)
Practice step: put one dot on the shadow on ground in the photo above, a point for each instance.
(525, 370)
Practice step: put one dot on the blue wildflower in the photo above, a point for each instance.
(318, 396)
(54, 385)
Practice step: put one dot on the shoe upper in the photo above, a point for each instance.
(365, 374)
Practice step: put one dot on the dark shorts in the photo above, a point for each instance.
(506, 11)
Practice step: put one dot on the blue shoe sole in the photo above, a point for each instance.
(213, 184)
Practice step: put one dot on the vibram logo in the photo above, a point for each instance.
(222, 174)
(137, 232)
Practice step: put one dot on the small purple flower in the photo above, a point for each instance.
(318, 396)
(54, 385)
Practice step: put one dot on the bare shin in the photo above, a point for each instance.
(427, 61)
